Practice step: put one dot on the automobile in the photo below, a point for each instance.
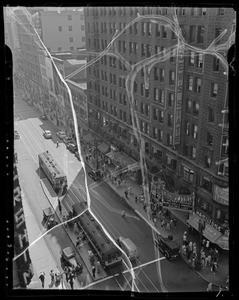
(71, 147)
(77, 155)
(129, 247)
(16, 135)
(43, 117)
(48, 216)
(61, 134)
(95, 174)
(167, 246)
(67, 140)
(68, 259)
(47, 134)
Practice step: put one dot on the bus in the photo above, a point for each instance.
(53, 172)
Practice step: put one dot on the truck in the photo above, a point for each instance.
(129, 248)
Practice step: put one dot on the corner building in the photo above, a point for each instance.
(183, 115)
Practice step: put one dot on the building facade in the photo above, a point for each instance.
(183, 113)
(61, 30)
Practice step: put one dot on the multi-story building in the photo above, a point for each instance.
(182, 113)
(61, 30)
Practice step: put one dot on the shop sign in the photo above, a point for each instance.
(221, 195)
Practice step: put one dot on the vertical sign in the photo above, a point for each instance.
(178, 98)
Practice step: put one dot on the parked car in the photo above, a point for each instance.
(71, 147)
(95, 174)
(48, 216)
(68, 259)
(67, 140)
(43, 117)
(47, 134)
(61, 134)
(77, 155)
(167, 246)
(16, 135)
(129, 247)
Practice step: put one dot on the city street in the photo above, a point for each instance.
(161, 275)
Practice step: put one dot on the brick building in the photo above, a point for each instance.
(183, 113)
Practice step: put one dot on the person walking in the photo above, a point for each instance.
(93, 271)
(60, 208)
(168, 226)
(209, 287)
(71, 281)
(126, 194)
(136, 199)
(42, 278)
(123, 214)
(129, 189)
(190, 246)
(175, 222)
(172, 224)
(52, 277)
(163, 224)
(57, 144)
(16, 158)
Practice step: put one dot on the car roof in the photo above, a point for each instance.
(47, 131)
(68, 251)
(62, 132)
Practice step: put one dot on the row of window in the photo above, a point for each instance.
(70, 28)
(195, 85)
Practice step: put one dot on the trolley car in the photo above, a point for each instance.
(107, 252)
(53, 172)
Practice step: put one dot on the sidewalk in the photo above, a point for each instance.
(86, 277)
(218, 278)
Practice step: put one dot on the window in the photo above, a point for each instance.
(210, 115)
(190, 83)
(160, 116)
(200, 36)
(156, 94)
(82, 27)
(171, 77)
(161, 75)
(185, 150)
(216, 63)
(161, 96)
(143, 28)
(214, 89)
(155, 114)
(70, 28)
(156, 73)
(187, 174)
(187, 128)
(171, 163)
(169, 140)
(199, 62)
(157, 30)
(60, 28)
(218, 31)
(225, 146)
(148, 50)
(146, 108)
(220, 11)
(69, 17)
(135, 28)
(195, 108)
(198, 85)
(164, 32)
(193, 152)
(206, 184)
(149, 31)
(192, 58)
(157, 49)
(170, 120)
(173, 56)
(188, 106)
(204, 11)
(209, 139)
(195, 131)
(143, 49)
(223, 169)
(170, 99)
(71, 39)
(192, 33)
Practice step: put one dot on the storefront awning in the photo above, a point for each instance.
(209, 233)
(104, 148)
(223, 242)
(121, 159)
(88, 138)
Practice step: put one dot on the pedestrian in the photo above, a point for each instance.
(209, 287)
(227, 281)
(60, 208)
(203, 262)
(190, 246)
(207, 244)
(183, 249)
(163, 224)
(78, 241)
(193, 262)
(209, 259)
(155, 221)
(76, 230)
(52, 277)
(214, 267)
(136, 199)
(57, 144)
(126, 194)
(16, 158)
(98, 267)
(42, 278)
(194, 248)
(172, 224)
(168, 226)
(129, 189)
(93, 271)
(71, 281)
(184, 237)
(123, 214)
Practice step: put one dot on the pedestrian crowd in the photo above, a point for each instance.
(201, 254)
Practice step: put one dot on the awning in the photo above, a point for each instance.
(122, 159)
(210, 232)
(223, 242)
(88, 138)
(103, 147)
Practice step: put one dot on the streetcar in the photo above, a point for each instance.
(53, 172)
(108, 253)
